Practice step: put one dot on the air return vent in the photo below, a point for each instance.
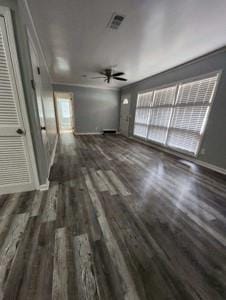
(115, 21)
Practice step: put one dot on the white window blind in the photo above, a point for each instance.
(160, 114)
(176, 116)
(190, 114)
(142, 114)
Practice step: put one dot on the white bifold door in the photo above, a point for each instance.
(17, 164)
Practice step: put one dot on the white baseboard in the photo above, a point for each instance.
(53, 152)
(95, 133)
(45, 186)
(110, 129)
(194, 160)
(210, 166)
(88, 133)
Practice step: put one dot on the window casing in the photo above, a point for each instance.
(176, 116)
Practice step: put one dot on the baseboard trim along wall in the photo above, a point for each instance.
(110, 129)
(53, 153)
(45, 186)
(97, 132)
(210, 166)
(195, 161)
(88, 133)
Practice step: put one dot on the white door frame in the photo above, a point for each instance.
(65, 95)
(32, 45)
(126, 96)
(5, 12)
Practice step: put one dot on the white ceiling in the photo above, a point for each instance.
(155, 35)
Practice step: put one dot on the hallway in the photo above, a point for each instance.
(120, 221)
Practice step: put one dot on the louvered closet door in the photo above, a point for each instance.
(15, 165)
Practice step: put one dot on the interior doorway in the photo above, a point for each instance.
(64, 109)
(37, 89)
(125, 115)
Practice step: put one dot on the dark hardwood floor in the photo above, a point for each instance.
(120, 221)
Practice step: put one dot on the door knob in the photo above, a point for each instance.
(43, 128)
(20, 131)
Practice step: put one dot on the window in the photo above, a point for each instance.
(142, 114)
(176, 116)
(125, 101)
(160, 114)
(190, 114)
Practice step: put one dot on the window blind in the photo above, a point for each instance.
(142, 114)
(160, 114)
(176, 116)
(190, 114)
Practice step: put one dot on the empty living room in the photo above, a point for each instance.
(112, 150)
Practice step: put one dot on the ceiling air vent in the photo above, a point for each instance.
(115, 21)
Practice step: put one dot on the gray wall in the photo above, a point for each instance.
(94, 109)
(213, 149)
(21, 23)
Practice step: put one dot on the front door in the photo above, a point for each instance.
(125, 115)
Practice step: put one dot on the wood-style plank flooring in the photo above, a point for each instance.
(120, 221)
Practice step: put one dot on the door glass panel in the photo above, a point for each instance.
(64, 114)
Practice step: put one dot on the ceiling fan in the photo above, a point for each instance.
(108, 75)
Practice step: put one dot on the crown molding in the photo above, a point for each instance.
(86, 85)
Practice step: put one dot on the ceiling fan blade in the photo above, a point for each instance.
(118, 74)
(97, 77)
(102, 73)
(119, 78)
